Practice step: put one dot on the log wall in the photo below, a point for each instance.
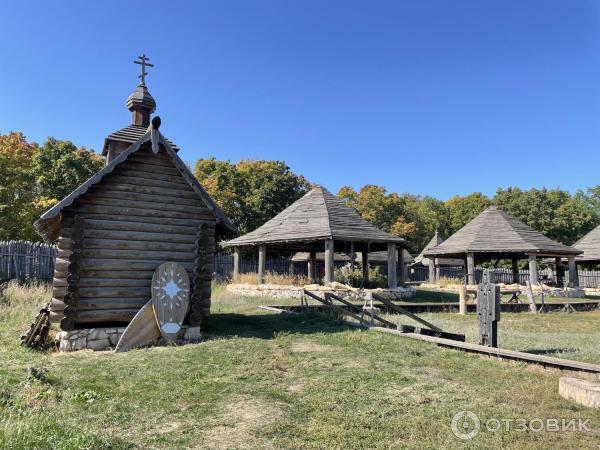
(137, 217)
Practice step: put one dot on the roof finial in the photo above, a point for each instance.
(143, 61)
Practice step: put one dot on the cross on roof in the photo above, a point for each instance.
(143, 61)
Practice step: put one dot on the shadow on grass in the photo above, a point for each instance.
(551, 351)
(265, 326)
(426, 296)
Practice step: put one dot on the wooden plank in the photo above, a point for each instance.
(170, 298)
(359, 310)
(149, 168)
(120, 244)
(126, 265)
(177, 179)
(148, 198)
(88, 282)
(120, 212)
(139, 181)
(114, 291)
(104, 200)
(132, 255)
(138, 236)
(143, 223)
(142, 330)
(92, 304)
(404, 311)
(151, 190)
(106, 315)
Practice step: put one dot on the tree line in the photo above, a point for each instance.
(35, 177)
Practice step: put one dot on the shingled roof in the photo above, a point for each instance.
(130, 135)
(435, 241)
(497, 232)
(590, 245)
(317, 216)
(48, 225)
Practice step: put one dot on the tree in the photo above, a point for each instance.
(250, 192)
(461, 210)
(18, 193)
(61, 167)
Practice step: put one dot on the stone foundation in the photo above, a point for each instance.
(107, 338)
(510, 288)
(586, 393)
(282, 291)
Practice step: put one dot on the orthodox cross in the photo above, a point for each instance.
(143, 61)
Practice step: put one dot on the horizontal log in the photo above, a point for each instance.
(153, 160)
(177, 179)
(130, 265)
(90, 304)
(132, 255)
(106, 315)
(149, 168)
(57, 304)
(115, 292)
(119, 244)
(116, 212)
(86, 282)
(56, 316)
(59, 291)
(138, 236)
(117, 274)
(186, 192)
(195, 222)
(162, 206)
(121, 179)
(59, 281)
(126, 197)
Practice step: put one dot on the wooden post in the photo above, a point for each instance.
(236, 264)
(438, 269)
(470, 268)
(401, 266)
(391, 259)
(573, 275)
(312, 266)
(262, 257)
(431, 270)
(462, 306)
(365, 264)
(352, 257)
(515, 270)
(329, 261)
(560, 273)
(533, 271)
(488, 311)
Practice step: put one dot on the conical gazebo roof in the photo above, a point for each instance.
(590, 245)
(317, 216)
(498, 233)
(435, 241)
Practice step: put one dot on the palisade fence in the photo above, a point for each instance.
(32, 260)
(25, 260)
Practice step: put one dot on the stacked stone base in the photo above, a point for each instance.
(106, 338)
(566, 292)
(283, 291)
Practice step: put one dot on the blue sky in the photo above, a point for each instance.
(429, 97)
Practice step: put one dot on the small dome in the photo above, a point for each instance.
(141, 99)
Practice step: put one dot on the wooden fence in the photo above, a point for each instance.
(26, 260)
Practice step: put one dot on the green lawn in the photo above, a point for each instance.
(263, 380)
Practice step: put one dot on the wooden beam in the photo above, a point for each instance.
(533, 270)
(312, 266)
(365, 265)
(402, 266)
(236, 264)
(391, 260)
(515, 270)
(431, 267)
(573, 275)
(262, 257)
(329, 267)
(470, 268)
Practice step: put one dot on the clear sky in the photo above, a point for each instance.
(431, 97)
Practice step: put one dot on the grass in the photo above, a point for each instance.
(273, 381)
(275, 278)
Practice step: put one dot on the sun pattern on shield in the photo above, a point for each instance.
(172, 290)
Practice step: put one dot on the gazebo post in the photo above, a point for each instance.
(352, 256)
(533, 270)
(329, 261)
(262, 256)
(438, 269)
(560, 274)
(236, 264)
(431, 267)
(312, 265)
(515, 270)
(365, 264)
(401, 265)
(573, 275)
(391, 257)
(470, 268)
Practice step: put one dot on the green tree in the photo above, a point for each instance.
(463, 209)
(250, 192)
(18, 192)
(61, 167)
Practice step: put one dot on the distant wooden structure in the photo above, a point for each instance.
(317, 222)
(495, 235)
(435, 264)
(142, 209)
(590, 246)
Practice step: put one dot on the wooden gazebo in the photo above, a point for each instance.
(495, 235)
(590, 246)
(319, 221)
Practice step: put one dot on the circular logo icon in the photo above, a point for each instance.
(465, 425)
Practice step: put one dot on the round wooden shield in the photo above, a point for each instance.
(170, 298)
